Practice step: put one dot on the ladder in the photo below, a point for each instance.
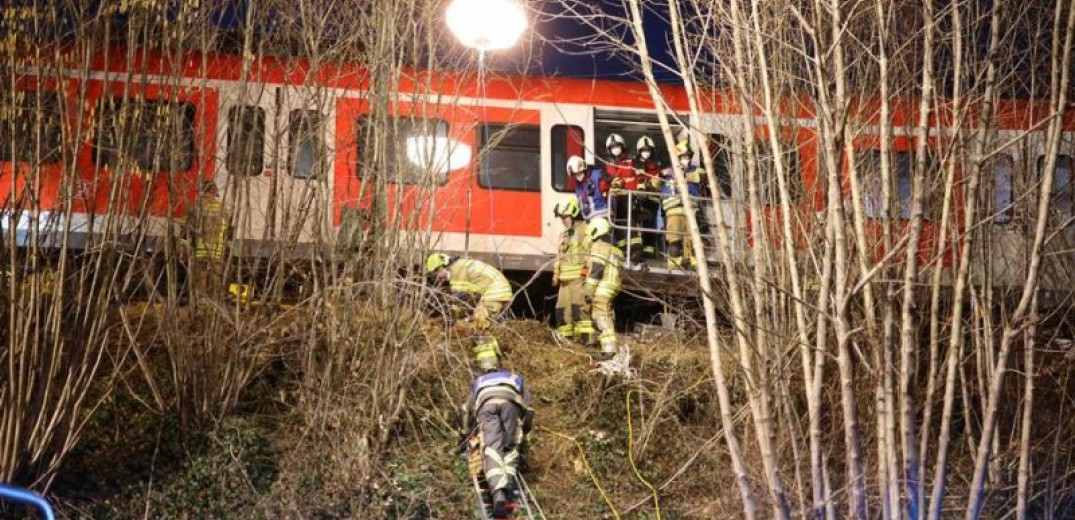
(519, 505)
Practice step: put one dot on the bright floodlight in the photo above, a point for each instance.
(486, 25)
(438, 154)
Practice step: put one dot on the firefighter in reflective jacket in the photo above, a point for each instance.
(675, 218)
(501, 410)
(603, 283)
(207, 236)
(481, 286)
(621, 170)
(648, 168)
(572, 312)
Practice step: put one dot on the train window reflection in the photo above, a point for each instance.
(1063, 185)
(409, 150)
(1003, 167)
(305, 151)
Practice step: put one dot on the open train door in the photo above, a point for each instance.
(566, 130)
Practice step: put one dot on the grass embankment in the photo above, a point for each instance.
(279, 456)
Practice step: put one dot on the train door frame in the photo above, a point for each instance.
(246, 195)
(307, 197)
(552, 115)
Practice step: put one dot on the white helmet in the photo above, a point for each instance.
(614, 140)
(644, 143)
(576, 165)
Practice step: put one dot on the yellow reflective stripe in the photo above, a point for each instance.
(474, 277)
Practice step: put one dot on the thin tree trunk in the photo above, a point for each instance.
(727, 420)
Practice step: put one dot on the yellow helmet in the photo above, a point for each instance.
(435, 261)
(567, 208)
(598, 228)
(684, 148)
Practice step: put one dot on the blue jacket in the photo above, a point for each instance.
(503, 385)
(593, 201)
(670, 200)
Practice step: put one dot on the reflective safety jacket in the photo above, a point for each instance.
(208, 227)
(670, 199)
(592, 193)
(623, 169)
(649, 173)
(502, 385)
(477, 279)
(605, 278)
(571, 257)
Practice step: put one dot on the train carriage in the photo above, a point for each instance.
(475, 167)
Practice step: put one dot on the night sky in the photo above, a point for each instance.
(558, 44)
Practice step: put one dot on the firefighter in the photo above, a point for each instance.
(648, 168)
(572, 314)
(500, 410)
(603, 283)
(675, 218)
(481, 286)
(206, 232)
(621, 170)
(591, 188)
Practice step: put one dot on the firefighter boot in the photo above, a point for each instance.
(500, 503)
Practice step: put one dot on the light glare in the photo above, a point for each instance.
(486, 25)
(437, 154)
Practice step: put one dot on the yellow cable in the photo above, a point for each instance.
(589, 470)
(631, 457)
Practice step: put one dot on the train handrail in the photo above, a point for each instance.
(26, 497)
(702, 204)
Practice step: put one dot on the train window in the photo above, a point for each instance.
(903, 164)
(31, 127)
(305, 151)
(1063, 184)
(1003, 168)
(567, 140)
(513, 160)
(246, 140)
(415, 150)
(154, 136)
(768, 188)
(718, 149)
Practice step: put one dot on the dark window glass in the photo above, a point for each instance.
(1003, 170)
(155, 136)
(718, 149)
(31, 127)
(412, 150)
(768, 187)
(902, 164)
(246, 140)
(567, 140)
(306, 148)
(1063, 185)
(511, 157)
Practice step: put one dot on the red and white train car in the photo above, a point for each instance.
(284, 142)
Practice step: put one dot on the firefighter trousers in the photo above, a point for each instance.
(605, 323)
(500, 427)
(572, 311)
(680, 253)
